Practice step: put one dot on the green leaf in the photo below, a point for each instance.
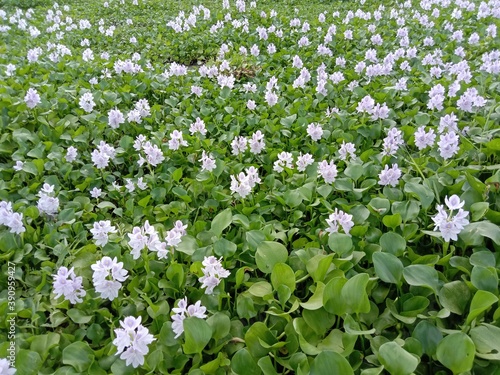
(423, 193)
(354, 294)
(197, 334)
(316, 300)
(422, 118)
(221, 221)
(456, 352)
(396, 360)
(187, 246)
(268, 254)
(380, 205)
(79, 355)
(43, 343)
(78, 316)
(478, 210)
(283, 274)
(428, 335)
(261, 289)
(266, 365)
(481, 302)
(388, 267)
(328, 363)
(224, 248)
(220, 324)
(486, 337)
(27, 362)
(392, 221)
(340, 243)
(393, 243)
(455, 296)
(242, 363)
(332, 300)
(256, 334)
(480, 229)
(421, 275)
(485, 279)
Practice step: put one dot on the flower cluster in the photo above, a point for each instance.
(5, 368)
(67, 284)
(389, 176)
(11, 219)
(339, 218)
(446, 223)
(154, 155)
(327, 170)
(213, 272)
(243, 183)
(101, 230)
(103, 154)
(183, 311)
(48, 204)
(145, 236)
(108, 276)
(132, 341)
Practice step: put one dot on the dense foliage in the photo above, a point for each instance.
(249, 188)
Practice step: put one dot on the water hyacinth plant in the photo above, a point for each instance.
(249, 187)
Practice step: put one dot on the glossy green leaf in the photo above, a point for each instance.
(388, 267)
(456, 352)
(396, 360)
(269, 254)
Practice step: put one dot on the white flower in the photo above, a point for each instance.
(303, 161)
(96, 193)
(47, 203)
(389, 176)
(132, 341)
(5, 368)
(108, 276)
(100, 231)
(339, 217)
(450, 226)
(328, 171)
(87, 102)
(11, 219)
(347, 150)
(198, 127)
(71, 154)
(239, 145)
(32, 98)
(67, 284)
(176, 140)
(423, 139)
(182, 311)
(154, 155)
(208, 163)
(115, 118)
(18, 166)
(392, 142)
(285, 160)
(257, 143)
(213, 272)
(315, 131)
(448, 145)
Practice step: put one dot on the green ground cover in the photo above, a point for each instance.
(249, 188)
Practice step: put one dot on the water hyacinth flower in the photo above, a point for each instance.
(32, 98)
(213, 272)
(446, 223)
(327, 170)
(67, 284)
(390, 176)
(285, 160)
(208, 162)
(244, 183)
(142, 237)
(183, 311)
(101, 230)
(48, 204)
(339, 218)
(132, 341)
(5, 367)
(11, 219)
(108, 276)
